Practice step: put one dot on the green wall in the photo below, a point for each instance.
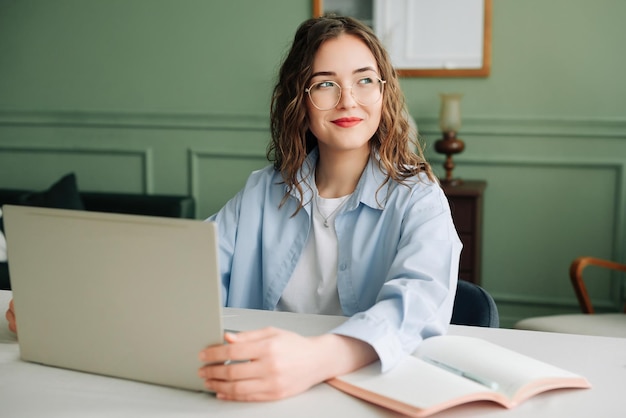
(161, 96)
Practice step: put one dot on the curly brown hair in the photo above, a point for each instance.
(291, 138)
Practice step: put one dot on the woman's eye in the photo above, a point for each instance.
(365, 80)
(325, 85)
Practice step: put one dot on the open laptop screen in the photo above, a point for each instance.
(129, 296)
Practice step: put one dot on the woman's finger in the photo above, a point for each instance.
(241, 346)
(10, 316)
(232, 371)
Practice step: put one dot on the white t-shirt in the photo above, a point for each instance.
(313, 285)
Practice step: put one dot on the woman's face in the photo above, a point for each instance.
(349, 125)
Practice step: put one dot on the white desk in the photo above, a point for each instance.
(30, 390)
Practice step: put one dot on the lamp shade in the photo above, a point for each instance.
(450, 113)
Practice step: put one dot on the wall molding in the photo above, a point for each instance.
(194, 157)
(532, 301)
(618, 166)
(472, 125)
(145, 155)
(532, 127)
(618, 243)
(134, 120)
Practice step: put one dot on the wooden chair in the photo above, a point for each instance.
(576, 276)
(588, 322)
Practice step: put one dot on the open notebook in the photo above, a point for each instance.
(446, 371)
(129, 296)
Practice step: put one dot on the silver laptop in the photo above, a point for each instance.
(134, 297)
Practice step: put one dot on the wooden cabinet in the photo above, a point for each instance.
(466, 203)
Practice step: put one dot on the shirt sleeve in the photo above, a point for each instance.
(416, 300)
(227, 220)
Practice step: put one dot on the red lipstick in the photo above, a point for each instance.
(347, 122)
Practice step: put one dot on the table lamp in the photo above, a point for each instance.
(450, 123)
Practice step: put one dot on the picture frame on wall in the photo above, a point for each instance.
(426, 38)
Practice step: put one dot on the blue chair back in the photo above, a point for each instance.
(474, 306)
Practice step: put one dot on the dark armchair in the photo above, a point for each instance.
(474, 306)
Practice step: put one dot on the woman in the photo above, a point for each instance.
(348, 220)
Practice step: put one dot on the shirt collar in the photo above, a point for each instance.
(368, 189)
(371, 188)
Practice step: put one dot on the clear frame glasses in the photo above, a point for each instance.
(366, 91)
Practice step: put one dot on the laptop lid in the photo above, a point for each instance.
(135, 297)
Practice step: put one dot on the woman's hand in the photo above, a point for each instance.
(270, 363)
(10, 315)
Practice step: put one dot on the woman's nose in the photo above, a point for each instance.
(346, 100)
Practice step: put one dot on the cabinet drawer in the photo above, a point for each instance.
(466, 202)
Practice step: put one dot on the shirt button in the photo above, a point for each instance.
(343, 266)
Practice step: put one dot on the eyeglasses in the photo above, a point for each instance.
(366, 91)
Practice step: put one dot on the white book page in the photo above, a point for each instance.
(509, 369)
(418, 383)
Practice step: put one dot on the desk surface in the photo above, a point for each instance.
(30, 390)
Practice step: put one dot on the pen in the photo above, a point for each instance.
(471, 376)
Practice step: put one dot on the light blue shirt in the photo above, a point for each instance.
(398, 254)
